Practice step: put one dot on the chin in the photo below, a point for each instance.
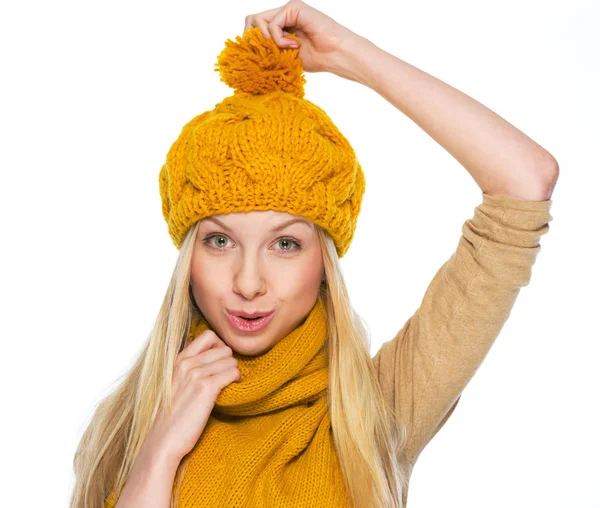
(249, 346)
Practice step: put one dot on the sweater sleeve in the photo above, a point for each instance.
(425, 367)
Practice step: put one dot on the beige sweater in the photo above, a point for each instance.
(427, 365)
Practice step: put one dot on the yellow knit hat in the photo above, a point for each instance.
(263, 148)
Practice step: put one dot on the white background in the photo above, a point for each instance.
(92, 96)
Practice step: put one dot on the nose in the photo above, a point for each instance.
(249, 279)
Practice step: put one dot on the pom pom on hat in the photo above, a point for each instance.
(265, 147)
(256, 65)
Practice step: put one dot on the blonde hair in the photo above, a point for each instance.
(368, 439)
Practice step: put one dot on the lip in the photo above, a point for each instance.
(243, 325)
(248, 314)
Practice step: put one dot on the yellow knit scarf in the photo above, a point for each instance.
(268, 441)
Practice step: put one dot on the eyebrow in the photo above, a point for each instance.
(273, 230)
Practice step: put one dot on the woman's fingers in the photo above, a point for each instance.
(273, 21)
(296, 24)
(251, 19)
(287, 16)
(263, 24)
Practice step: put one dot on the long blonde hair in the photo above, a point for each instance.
(368, 439)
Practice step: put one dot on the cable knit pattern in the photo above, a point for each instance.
(263, 148)
(426, 366)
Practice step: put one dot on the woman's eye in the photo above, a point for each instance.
(288, 245)
(220, 244)
(289, 242)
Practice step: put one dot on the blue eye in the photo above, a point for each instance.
(294, 247)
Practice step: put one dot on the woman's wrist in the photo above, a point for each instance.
(349, 61)
(150, 481)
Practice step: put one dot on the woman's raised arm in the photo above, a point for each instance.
(502, 160)
(426, 366)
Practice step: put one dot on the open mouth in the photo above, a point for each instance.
(250, 324)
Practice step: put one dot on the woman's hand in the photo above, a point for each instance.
(322, 39)
(202, 369)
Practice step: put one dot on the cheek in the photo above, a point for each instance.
(298, 280)
(207, 279)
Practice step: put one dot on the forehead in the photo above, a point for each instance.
(257, 218)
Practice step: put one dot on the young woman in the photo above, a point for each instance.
(256, 386)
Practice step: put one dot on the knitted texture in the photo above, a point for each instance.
(263, 148)
(268, 440)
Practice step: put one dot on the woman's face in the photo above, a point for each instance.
(254, 262)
